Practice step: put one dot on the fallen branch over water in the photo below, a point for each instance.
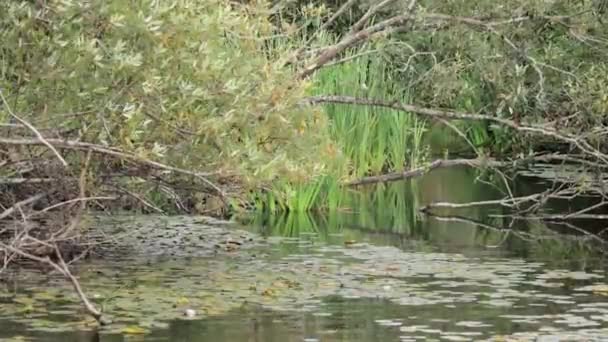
(440, 163)
(476, 162)
(64, 270)
(44, 235)
(506, 202)
(522, 234)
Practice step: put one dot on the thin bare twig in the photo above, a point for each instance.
(77, 145)
(33, 129)
(507, 202)
(19, 204)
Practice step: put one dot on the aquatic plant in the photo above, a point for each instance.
(375, 140)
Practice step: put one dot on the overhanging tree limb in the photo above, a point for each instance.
(543, 130)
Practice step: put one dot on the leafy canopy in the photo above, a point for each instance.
(186, 82)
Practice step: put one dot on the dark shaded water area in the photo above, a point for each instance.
(376, 271)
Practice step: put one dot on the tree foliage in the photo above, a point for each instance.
(533, 61)
(187, 83)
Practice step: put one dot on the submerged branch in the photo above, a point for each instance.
(64, 270)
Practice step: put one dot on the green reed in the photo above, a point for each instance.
(376, 140)
(373, 140)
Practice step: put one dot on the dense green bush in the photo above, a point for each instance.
(550, 66)
(184, 82)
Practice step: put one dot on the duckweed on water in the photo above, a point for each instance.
(491, 295)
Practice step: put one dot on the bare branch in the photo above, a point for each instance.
(389, 177)
(77, 145)
(507, 202)
(33, 129)
(336, 15)
(62, 268)
(19, 204)
(370, 12)
(582, 145)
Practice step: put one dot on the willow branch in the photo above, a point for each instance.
(33, 129)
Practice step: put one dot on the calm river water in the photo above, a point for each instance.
(376, 272)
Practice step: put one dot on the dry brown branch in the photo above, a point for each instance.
(336, 15)
(140, 199)
(327, 54)
(77, 145)
(358, 26)
(76, 200)
(359, 33)
(544, 130)
(63, 269)
(8, 212)
(33, 129)
(389, 177)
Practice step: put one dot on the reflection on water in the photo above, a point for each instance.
(377, 271)
(388, 214)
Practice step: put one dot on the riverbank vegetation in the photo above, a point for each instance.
(216, 107)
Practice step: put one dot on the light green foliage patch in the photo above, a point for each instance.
(188, 83)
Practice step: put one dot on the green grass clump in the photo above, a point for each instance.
(369, 140)
(374, 139)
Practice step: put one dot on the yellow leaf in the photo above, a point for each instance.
(134, 330)
(268, 293)
(182, 301)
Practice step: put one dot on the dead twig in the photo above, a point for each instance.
(38, 135)
(6, 213)
(77, 145)
(389, 177)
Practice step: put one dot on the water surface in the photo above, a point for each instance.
(378, 271)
